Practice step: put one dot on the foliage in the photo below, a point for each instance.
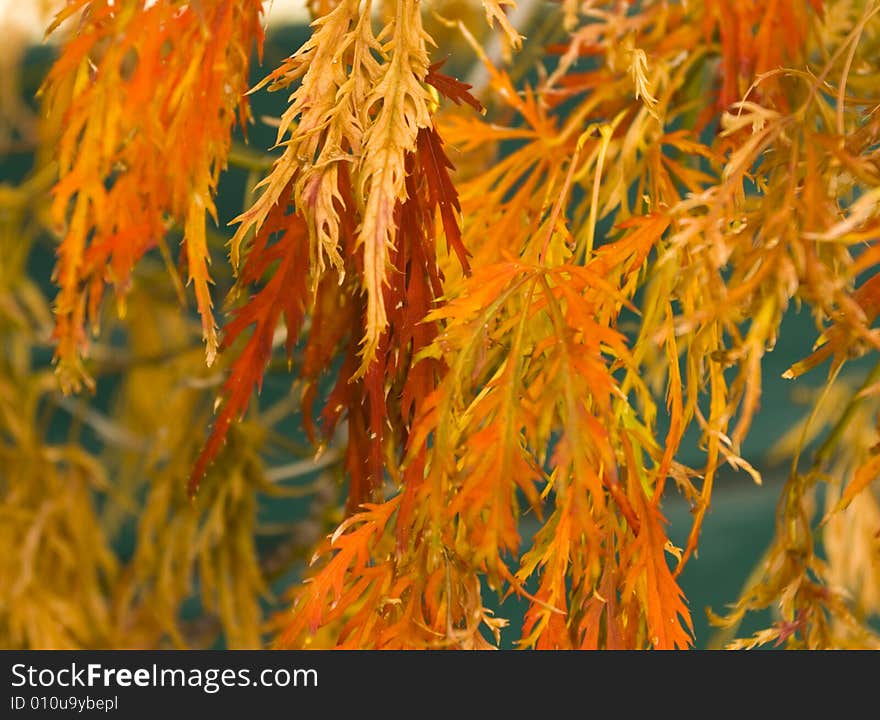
(504, 306)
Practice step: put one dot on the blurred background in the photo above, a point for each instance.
(298, 497)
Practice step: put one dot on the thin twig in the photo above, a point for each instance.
(303, 467)
(242, 156)
(111, 432)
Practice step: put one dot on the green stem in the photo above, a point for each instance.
(242, 156)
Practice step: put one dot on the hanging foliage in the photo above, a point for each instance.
(501, 312)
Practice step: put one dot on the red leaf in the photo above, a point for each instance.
(451, 88)
(441, 191)
(286, 292)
